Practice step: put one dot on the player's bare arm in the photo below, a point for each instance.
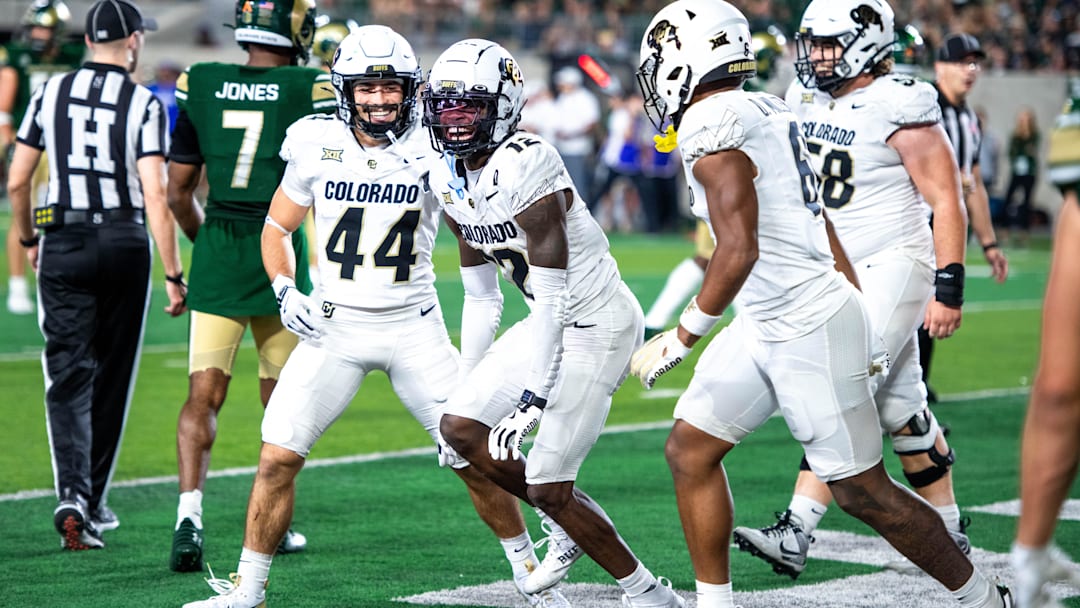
(728, 179)
(929, 160)
(183, 179)
(283, 218)
(842, 262)
(544, 222)
(162, 226)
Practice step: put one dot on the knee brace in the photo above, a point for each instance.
(922, 440)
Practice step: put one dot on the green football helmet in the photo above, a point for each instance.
(51, 14)
(280, 23)
(768, 47)
(328, 36)
(910, 53)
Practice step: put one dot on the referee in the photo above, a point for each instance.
(957, 67)
(105, 138)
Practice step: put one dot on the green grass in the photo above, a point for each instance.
(389, 528)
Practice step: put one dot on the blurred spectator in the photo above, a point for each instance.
(164, 88)
(1023, 167)
(576, 113)
(538, 115)
(617, 197)
(990, 162)
(659, 182)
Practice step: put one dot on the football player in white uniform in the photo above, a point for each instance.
(512, 205)
(362, 175)
(801, 341)
(877, 144)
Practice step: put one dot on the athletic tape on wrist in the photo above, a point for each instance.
(696, 321)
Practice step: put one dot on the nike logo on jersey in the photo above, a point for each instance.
(492, 195)
(580, 326)
(424, 313)
(856, 106)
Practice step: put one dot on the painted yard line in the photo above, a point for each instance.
(1070, 511)
(884, 588)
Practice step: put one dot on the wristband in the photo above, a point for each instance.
(529, 398)
(30, 242)
(989, 246)
(178, 279)
(696, 321)
(949, 285)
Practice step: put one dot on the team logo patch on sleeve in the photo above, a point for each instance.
(332, 154)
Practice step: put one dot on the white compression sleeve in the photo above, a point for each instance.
(551, 299)
(481, 312)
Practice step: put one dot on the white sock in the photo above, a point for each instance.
(714, 596)
(807, 511)
(682, 283)
(519, 551)
(639, 581)
(978, 593)
(19, 286)
(951, 515)
(253, 570)
(190, 507)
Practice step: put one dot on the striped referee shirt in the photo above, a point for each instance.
(94, 124)
(965, 133)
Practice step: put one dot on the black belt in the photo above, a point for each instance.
(103, 216)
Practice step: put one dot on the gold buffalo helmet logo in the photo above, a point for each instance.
(662, 33)
(512, 71)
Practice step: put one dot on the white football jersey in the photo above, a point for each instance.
(375, 217)
(870, 197)
(522, 170)
(794, 287)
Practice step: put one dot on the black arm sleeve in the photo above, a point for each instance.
(185, 142)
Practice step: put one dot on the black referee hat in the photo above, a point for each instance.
(110, 20)
(957, 47)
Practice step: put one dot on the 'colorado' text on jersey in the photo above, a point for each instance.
(793, 287)
(374, 216)
(870, 196)
(521, 171)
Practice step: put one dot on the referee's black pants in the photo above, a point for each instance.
(94, 287)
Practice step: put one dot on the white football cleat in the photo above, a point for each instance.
(562, 552)
(293, 542)
(783, 545)
(229, 594)
(659, 595)
(548, 598)
(1041, 569)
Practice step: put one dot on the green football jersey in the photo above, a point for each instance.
(240, 114)
(34, 69)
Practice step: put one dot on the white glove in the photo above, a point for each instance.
(448, 456)
(297, 310)
(658, 356)
(505, 439)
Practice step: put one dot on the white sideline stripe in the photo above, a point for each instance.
(1011, 508)
(315, 463)
(376, 456)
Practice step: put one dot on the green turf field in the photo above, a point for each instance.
(398, 530)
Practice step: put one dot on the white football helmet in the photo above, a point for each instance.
(690, 42)
(376, 52)
(474, 97)
(860, 33)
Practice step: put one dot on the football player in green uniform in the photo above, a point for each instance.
(37, 53)
(232, 120)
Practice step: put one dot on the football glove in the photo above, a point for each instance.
(506, 438)
(297, 310)
(448, 456)
(658, 356)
